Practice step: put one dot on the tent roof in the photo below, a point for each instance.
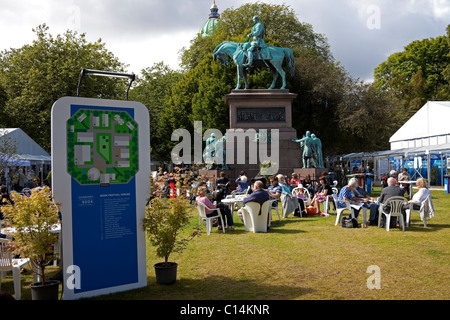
(442, 148)
(430, 120)
(27, 148)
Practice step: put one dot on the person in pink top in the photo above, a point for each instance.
(226, 213)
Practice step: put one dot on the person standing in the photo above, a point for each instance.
(404, 176)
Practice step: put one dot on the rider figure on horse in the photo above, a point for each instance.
(258, 33)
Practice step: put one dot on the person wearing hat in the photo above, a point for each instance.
(299, 192)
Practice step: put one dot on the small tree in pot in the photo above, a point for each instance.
(33, 219)
(164, 222)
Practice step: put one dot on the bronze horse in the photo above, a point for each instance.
(237, 52)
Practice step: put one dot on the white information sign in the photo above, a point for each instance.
(101, 178)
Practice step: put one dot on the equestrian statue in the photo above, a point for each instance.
(256, 54)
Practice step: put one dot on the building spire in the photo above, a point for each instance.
(214, 11)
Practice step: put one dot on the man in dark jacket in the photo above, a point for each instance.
(390, 191)
(258, 195)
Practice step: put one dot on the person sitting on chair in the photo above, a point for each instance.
(226, 213)
(347, 195)
(258, 195)
(323, 192)
(392, 190)
(299, 192)
(242, 184)
(421, 195)
(274, 190)
(288, 201)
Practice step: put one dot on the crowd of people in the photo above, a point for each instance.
(297, 193)
(392, 187)
(293, 193)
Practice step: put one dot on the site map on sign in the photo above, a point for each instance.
(102, 147)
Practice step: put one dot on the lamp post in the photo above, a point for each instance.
(109, 74)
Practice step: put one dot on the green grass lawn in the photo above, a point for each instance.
(305, 258)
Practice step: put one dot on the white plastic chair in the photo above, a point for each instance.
(340, 210)
(202, 217)
(7, 263)
(328, 203)
(275, 208)
(307, 201)
(253, 221)
(428, 201)
(396, 205)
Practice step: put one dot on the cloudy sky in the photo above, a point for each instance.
(361, 33)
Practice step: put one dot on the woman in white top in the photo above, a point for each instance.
(421, 195)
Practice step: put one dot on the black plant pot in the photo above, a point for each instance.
(166, 273)
(49, 291)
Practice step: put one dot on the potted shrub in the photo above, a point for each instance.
(164, 222)
(33, 218)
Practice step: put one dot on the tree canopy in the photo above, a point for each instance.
(416, 75)
(198, 95)
(34, 76)
(330, 102)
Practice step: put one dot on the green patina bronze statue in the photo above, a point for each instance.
(312, 151)
(256, 54)
(258, 43)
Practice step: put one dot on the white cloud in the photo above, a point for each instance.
(441, 9)
(151, 50)
(143, 32)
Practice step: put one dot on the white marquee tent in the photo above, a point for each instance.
(28, 151)
(426, 135)
(430, 126)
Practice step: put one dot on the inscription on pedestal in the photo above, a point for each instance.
(246, 115)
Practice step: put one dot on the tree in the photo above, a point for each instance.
(365, 118)
(320, 85)
(282, 29)
(198, 95)
(444, 90)
(416, 75)
(35, 76)
(153, 90)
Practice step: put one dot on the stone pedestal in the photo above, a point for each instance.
(256, 110)
(314, 173)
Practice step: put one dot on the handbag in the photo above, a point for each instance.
(349, 222)
(311, 211)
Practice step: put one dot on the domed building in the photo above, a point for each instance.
(214, 18)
